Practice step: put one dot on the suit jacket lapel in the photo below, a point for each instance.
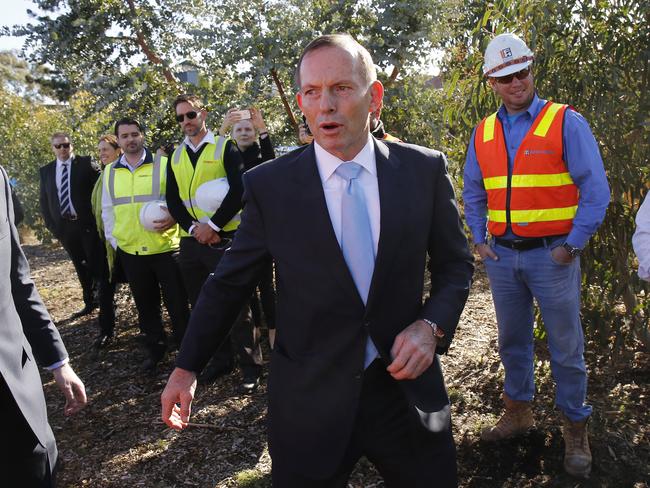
(393, 204)
(317, 226)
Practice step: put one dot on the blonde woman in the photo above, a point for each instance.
(109, 152)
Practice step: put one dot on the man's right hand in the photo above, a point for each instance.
(485, 251)
(179, 390)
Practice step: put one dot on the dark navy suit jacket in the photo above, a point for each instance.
(317, 364)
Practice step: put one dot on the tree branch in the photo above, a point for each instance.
(283, 96)
(151, 55)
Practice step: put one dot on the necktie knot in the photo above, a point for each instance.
(349, 170)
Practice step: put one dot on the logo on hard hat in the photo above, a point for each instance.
(506, 53)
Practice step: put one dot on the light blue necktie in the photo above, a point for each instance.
(356, 238)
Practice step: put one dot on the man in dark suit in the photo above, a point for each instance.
(354, 370)
(27, 451)
(66, 187)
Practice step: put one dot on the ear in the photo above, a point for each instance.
(299, 99)
(376, 95)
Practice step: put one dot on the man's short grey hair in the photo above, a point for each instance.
(344, 41)
(56, 135)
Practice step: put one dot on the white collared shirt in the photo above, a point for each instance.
(123, 161)
(207, 138)
(59, 177)
(334, 186)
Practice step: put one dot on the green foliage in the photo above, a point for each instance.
(595, 56)
(26, 129)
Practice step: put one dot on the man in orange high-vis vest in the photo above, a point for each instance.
(535, 191)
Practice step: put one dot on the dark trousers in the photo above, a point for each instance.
(196, 262)
(24, 462)
(88, 255)
(389, 433)
(265, 302)
(148, 275)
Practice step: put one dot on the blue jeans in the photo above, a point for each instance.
(516, 279)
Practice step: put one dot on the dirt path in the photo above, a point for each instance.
(118, 441)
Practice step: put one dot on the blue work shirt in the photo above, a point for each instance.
(581, 156)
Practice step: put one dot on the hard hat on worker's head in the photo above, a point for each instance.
(152, 211)
(506, 54)
(210, 194)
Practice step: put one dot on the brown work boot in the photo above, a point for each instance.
(577, 455)
(516, 420)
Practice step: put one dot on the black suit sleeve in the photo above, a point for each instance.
(232, 203)
(38, 328)
(450, 260)
(43, 198)
(174, 202)
(227, 289)
(266, 149)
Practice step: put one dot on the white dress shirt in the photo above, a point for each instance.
(59, 177)
(207, 138)
(641, 239)
(334, 186)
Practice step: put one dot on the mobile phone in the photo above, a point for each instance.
(243, 114)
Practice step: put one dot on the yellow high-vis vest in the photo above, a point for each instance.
(208, 167)
(129, 191)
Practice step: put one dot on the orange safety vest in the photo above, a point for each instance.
(390, 138)
(539, 199)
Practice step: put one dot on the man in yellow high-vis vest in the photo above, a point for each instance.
(203, 157)
(148, 256)
(535, 191)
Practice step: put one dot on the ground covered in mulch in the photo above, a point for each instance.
(119, 441)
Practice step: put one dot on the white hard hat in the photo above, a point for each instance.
(152, 211)
(210, 194)
(506, 54)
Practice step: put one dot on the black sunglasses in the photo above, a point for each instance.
(63, 144)
(521, 75)
(190, 115)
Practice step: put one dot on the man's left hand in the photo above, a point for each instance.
(561, 255)
(72, 387)
(205, 234)
(413, 351)
(162, 225)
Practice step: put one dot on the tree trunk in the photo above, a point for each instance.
(283, 96)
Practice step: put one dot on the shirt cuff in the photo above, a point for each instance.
(189, 231)
(57, 365)
(214, 226)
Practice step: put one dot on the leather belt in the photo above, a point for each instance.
(525, 244)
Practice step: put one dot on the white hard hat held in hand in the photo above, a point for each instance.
(210, 194)
(152, 211)
(506, 54)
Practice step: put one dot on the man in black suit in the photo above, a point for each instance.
(27, 451)
(354, 370)
(66, 187)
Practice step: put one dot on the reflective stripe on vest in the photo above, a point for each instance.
(129, 191)
(189, 178)
(155, 186)
(539, 198)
